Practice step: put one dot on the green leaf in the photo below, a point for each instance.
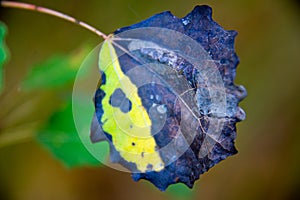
(55, 72)
(3, 52)
(60, 137)
(180, 191)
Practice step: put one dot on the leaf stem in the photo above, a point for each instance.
(17, 135)
(32, 7)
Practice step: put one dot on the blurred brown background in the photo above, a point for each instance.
(267, 165)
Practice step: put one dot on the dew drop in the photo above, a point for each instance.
(162, 109)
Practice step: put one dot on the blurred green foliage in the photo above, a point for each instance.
(58, 71)
(60, 137)
(59, 134)
(268, 141)
(180, 191)
(3, 52)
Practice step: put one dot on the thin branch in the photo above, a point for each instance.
(26, 6)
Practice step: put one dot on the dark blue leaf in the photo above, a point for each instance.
(209, 144)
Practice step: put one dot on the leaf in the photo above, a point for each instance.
(183, 70)
(55, 72)
(61, 138)
(180, 191)
(3, 52)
